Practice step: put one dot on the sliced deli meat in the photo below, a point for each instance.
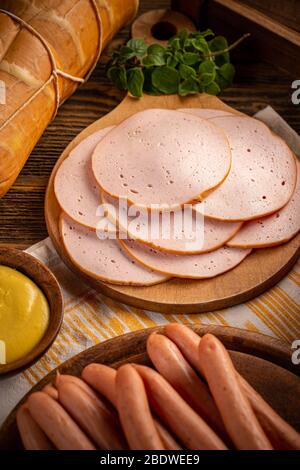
(276, 228)
(75, 187)
(181, 231)
(103, 259)
(162, 157)
(196, 266)
(205, 113)
(262, 176)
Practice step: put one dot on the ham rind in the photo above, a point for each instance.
(103, 259)
(200, 266)
(276, 228)
(181, 231)
(205, 113)
(262, 177)
(161, 158)
(75, 187)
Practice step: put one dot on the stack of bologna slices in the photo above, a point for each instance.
(240, 182)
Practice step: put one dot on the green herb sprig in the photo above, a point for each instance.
(190, 63)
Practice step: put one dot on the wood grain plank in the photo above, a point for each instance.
(285, 11)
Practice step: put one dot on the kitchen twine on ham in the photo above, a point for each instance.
(56, 72)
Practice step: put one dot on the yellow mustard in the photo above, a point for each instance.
(24, 314)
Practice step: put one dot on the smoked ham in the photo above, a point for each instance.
(182, 231)
(103, 259)
(162, 159)
(75, 187)
(276, 228)
(200, 266)
(262, 177)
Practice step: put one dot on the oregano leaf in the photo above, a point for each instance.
(208, 66)
(156, 49)
(186, 72)
(175, 44)
(188, 86)
(148, 85)
(207, 78)
(179, 56)
(166, 79)
(200, 44)
(118, 76)
(138, 46)
(207, 72)
(172, 62)
(218, 44)
(135, 81)
(190, 58)
(182, 36)
(153, 59)
(207, 33)
(212, 89)
(227, 71)
(126, 53)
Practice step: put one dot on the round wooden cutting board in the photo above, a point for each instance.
(264, 361)
(258, 272)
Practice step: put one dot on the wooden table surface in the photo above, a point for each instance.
(21, 210)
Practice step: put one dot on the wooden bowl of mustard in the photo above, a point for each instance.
(31, 310)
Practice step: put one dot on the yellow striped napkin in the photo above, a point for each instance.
(90, 317)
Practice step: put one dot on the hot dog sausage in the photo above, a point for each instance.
(134, 411)
(187, 341)
(101, 378)
(238, 416)
(171, 364)
(32, 436)
(100, 425)
(64, 378)
(57, 424)
(51, 391)
(184, 422)
(168, 440)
